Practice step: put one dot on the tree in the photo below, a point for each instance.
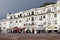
(47, 4)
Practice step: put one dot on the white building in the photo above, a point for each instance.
(45, 18)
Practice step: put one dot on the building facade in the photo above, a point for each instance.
(35, 20)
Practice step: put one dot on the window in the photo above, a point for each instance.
(32, 13)
(11, 22)
(29, 14)
(40, 18)
(29, 24)
(49, 10)
(55, 15)
(35, 18)
(29, 18)
(55, 8)
(24, 15)
(32, 23)
(14, 17)
(55, 22)
(20, 21)
(20, 15)
(11, 17)
(44, 16)
(40, 25)
(24, 24)
(49, 22)
(44, 23)
(32, 19)
(4, 27)
(55, 27)
(16, 21)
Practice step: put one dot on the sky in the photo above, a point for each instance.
(14, 6)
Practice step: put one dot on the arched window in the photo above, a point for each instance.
(49, 10)
(44, 16)
(32, 13)
(32, 19)
(11, 17)
(16, 21)
(20, 15)
(14, 17)
(55, 15)
(40, 18)
(29, 14)
(32, 23)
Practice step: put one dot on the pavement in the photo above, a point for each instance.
(7, 36)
